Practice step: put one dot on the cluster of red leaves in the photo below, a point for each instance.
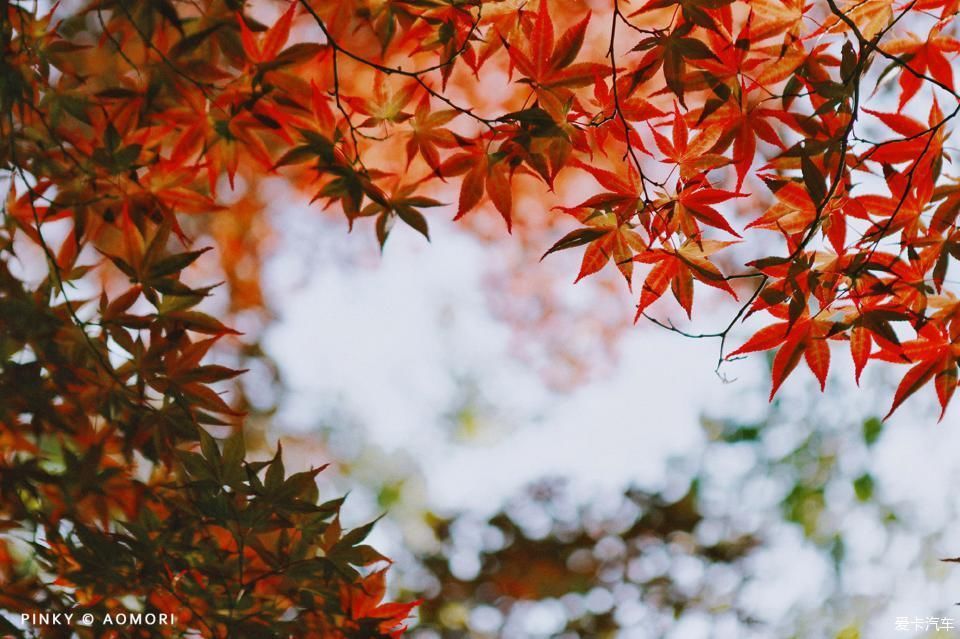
(781, 78)
(688, 116)
(124, 124)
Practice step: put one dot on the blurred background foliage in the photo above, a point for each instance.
(690, 558)
(699, 555)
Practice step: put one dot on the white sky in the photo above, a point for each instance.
(386, 341)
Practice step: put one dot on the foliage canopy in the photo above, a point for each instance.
(791, 156)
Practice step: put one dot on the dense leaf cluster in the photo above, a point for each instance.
(611, 567)
(114, 497)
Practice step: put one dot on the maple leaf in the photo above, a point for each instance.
(947, 211)
(923, 56)
(427, 134)
(692, 157)
(673, 51)
(947, 313)
(870, 16)
(694, 12)
(921, 146)
(624, 192)
(606, 238)
(548, 64)
(948, 7)
(870, 320)
(899, 213)
(777, 63)
(609, 234)
(692, 206)
(364, 601)
(744, 124)
(903, 150)
(482, 172)
(793, 211)
(772, 17)
(933, 355)
(265, 48)
(804, 338)
(447, 30)
(385, 105)
(403, 203)
(632, 108)
(541, 141)
(678, 268)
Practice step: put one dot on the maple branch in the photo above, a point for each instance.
(148, 42)
(343, 110)
(57, 138)
(907, 138)
(855, 77)
(45, 247)
(54, 270)
(743, 309)
(881, 233)
(670, 326)
(53, 265)
(627, 130)
(116, 44)
(820, 208)
(644, 32)
(865, 46)
(873, 45)
(814, 225)
(930, 132)
(722, 334)
(414, 75)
